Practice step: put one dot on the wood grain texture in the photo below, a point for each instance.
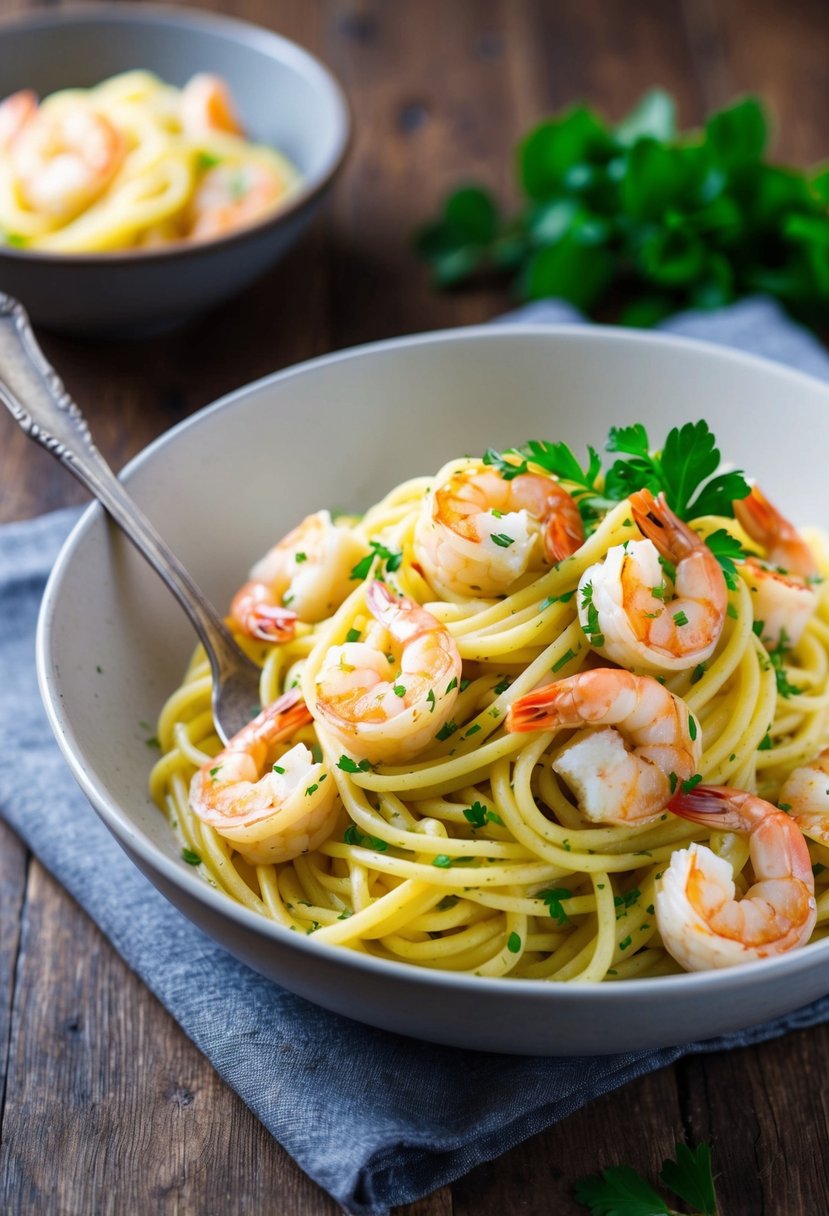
(107, 1107)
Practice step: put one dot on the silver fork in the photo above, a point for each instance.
(38, 401)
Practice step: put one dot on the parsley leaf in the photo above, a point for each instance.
(391, 557)
(727, 550)
(553, 897)
(691, 1178)
(620, 1191)
(683, 470)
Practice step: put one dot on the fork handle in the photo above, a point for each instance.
(39, 403)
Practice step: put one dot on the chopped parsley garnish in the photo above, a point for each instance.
(312, 789)
(680, 619)
(453, 683)
(190, 857)
(697, 673)
(502, 540)
(502, 686)
(300, 557)
(347, 765)
(625, 901)
(591, 627)
(514, 943)
(277, 768)
(430, 697)
(391, 558)
(777, 658)
(399, 690)
(692, 727)
(625, 942)
(691, 783)
(442, 861)
(352, 835)
(564, 660)
(353, 635)
(479, 815)
(554, 897)
(446, 731)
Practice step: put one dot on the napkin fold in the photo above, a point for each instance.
(374, 1118)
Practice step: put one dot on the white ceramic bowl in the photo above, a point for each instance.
(340, 431)
(286, 99)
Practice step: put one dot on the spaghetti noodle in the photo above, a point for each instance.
(133, 163)
(473, 854)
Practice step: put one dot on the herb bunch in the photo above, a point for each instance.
(642, 213)
(685, 469)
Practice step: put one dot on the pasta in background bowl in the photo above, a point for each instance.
(169, 218)
(397, 409)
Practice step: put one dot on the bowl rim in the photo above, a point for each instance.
(244, 32)
(745, 976)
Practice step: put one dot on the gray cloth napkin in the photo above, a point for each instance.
(376, 1119)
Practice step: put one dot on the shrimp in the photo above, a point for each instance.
(386, 697)
(478, 532)
(805, 794)
(309, 571)
(63, 158)
(624, 773)
(701, 923)
(782, 594)
(207, 106)
(229, 196)
(268, 816)
(15, 112)
(633, 617)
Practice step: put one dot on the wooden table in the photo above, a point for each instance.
(107, 1107)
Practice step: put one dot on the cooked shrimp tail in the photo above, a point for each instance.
(701, 923)
(272, 815)
(306, 576)
(783, 597)
(640, 741)
(253, 610)
(781, 540)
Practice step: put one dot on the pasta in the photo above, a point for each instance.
(475, 853)
(132, 163)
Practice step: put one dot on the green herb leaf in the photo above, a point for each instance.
(553, 898)
(347, 765)
(620, 1191)
(190, 857)
(690, 1177)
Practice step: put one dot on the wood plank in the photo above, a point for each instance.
(13, 863)
(635, 1126)
(766, 1114)
(109, 1107)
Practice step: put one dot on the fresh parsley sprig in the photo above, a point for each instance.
(686, 470)
(644, 213)
(622, 1191)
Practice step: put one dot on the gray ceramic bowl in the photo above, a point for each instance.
(398, 409)
(286, 99)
